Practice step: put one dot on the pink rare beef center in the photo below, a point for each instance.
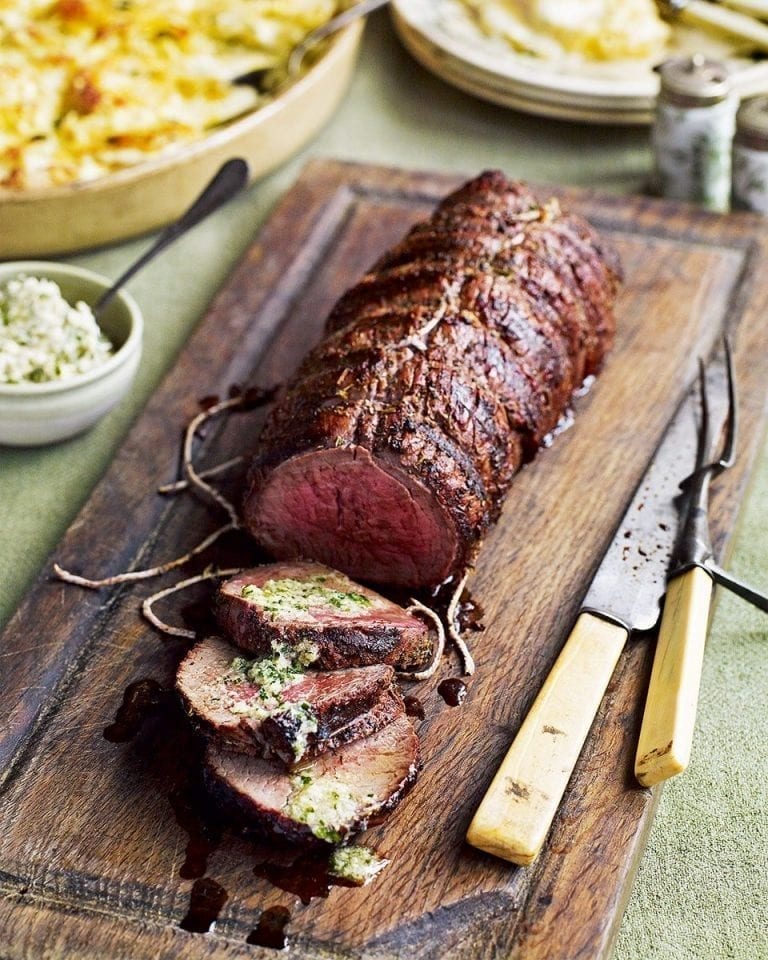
(345, 508)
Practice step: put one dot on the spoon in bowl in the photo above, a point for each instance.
(255, 78)
(230, 178)
(341, 20)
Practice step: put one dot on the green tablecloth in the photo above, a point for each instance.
(702, 889)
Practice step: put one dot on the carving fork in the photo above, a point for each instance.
(664, 747)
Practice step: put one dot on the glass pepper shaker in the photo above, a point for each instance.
(750, 156)
(693, 131)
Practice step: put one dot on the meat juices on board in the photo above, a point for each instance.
(453, 691)
(271, 929)
(206, 902)
(141, 699)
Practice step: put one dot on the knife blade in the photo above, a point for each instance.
(515, 815)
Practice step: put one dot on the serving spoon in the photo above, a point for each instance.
(296, 56)
(341, 20)
(230, 178)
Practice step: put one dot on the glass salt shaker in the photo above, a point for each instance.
(693, 131)
(750, 156)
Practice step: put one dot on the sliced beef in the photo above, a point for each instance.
(325, 799)
(390, 452)
(308, 604)
(314, 712)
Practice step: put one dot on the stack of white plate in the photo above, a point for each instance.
(441, 35)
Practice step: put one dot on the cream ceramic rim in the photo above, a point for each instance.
(442, 61)
(526, 103)
(53, 271)
(137, 199)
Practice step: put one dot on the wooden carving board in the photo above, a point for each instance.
(89, 848)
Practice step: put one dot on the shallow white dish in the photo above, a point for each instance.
(441, 37)
(33, 414)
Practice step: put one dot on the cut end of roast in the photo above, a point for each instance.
(327, 799)
(342, 706)
(349, 509)
(343, 623)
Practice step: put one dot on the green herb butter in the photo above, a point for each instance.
(43, 337)
(358, 865)
(327, 808)
(272, 675)
(305, 720)
(286, 598)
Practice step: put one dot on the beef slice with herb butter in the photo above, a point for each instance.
(276, 706)
(326, 799)
(308, 603)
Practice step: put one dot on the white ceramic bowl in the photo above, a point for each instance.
(33, 414)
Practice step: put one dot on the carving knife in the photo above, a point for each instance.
(516, 813)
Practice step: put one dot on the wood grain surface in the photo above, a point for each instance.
(90, 850)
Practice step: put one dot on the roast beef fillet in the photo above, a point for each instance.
(390, 452)
(317, 711)
(326, 799)
(348, 624)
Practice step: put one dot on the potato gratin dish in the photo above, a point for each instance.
(91, 86)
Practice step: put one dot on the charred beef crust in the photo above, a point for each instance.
(347, 705)
(239, 809)
(250, 800)
(266, 824)
(278, 734)
(457, 354)
(357, 645)
(335, 728)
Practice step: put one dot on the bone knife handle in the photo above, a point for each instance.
(666, 735)
(516, 813)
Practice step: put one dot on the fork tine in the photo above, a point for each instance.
(296, 57)
(727, 457)
(688, 483)
(728, 454)
(705, 440)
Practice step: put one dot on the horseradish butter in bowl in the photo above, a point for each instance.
(61, 370)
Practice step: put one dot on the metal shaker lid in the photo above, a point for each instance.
(694, 81)
(752, 118)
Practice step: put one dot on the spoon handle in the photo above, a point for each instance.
(343, 19)
(231, 177)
